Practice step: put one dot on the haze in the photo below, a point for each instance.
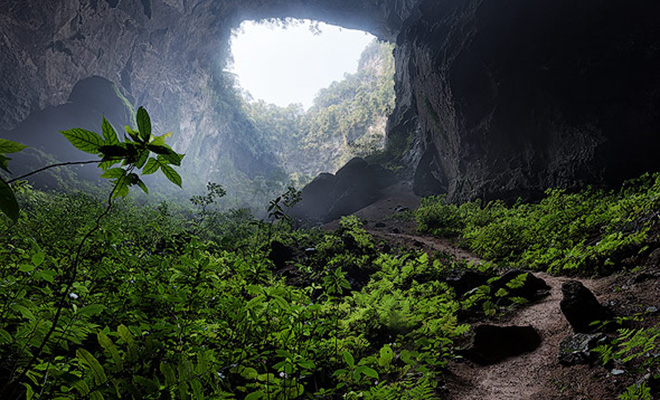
(290, 65)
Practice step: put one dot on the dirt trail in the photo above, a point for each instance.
(432, 243)
(528, 376)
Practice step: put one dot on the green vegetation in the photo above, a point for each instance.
(347, 119)
(115, 300)
(585, 232)
(165, 305)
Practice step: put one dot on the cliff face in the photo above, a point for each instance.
(517, 96)
(494, 98)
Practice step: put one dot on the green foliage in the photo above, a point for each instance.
(163, 309)
(584, 231)
(637, 350)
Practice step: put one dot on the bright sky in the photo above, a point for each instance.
(284, 66)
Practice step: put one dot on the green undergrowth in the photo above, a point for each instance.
(175, 303)
(588, 232)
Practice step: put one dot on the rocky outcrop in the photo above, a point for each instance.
(494, 99)
(354, 186)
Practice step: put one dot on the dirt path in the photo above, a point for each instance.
(528, 376)
(430, 243)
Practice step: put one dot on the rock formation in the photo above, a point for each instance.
(494, 99)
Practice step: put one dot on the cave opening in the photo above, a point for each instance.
(318, 94)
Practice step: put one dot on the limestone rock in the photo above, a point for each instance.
(356, 185)
(494, 100)
(581, 308)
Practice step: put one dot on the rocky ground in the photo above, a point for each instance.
(538, 374)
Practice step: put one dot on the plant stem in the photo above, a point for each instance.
(53, 166)
(67, 288)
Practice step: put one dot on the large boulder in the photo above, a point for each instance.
(492, 344)
(581, 308)
(356, 185)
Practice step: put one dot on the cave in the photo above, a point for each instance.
(495, 100)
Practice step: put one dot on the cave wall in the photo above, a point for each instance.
(516, 96)
(494, 98)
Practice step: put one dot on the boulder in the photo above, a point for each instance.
(581, 308)
(280, 254)
(531, 288)
(356, 185)
(463, 280)
(492, 344)
(577, 349)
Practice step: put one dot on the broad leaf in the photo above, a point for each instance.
(152, 166)
(89, 360)
(110, 347)
(109, 133)
(8, 203)
(171, 174)
(142, 159)
(370, 372)
(144, 124)
(172, 158)
(349, 359)
(113, 173)
(255, 395)
(84, 140)
(8, 146)
(142, 186)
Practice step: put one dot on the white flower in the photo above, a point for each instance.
(73, 296)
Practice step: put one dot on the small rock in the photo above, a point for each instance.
(576, 349)
(617, 372)
(654, 257)
(581, 308)
(492, 344)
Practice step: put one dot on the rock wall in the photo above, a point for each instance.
(495, 99)
(516, 96)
